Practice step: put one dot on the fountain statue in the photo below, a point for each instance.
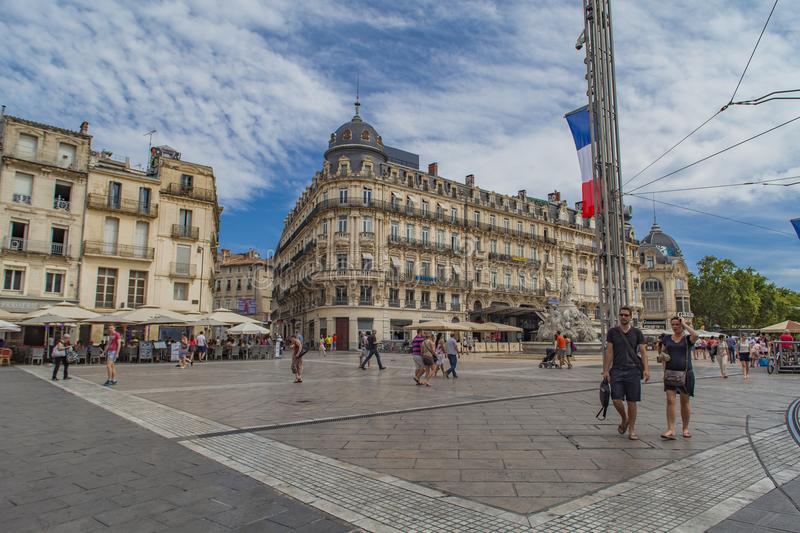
(566, 318)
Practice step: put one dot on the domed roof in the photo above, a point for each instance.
(356, 134)
(663, 243)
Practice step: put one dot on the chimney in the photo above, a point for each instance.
(433, 169)
(225, 253)
(554, 196)
(470, 181)
(85, 128)
(522, 194)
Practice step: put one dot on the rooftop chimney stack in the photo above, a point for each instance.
(85, 128)
(470, 181)
(554, 196)
(433, 169)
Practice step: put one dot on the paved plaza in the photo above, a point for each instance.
(506, 447)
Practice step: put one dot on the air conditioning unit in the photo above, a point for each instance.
(17, 244)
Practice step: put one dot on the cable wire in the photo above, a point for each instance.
(715, 215)
(769, 97)
(723, 185)
(771, 11)
(706, 158)
(723, 108)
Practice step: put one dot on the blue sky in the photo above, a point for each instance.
(254, 89)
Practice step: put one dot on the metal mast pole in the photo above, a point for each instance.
(609, 210)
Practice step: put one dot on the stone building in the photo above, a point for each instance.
(150, 236)
(43, 175)
(376, 243)
(664, 280)
(243, 284)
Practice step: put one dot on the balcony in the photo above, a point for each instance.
(368, 236)
(182, 270)
(455, 306)
(27, 246)
(394, 303)
(441, 306)
(424, 305)
(340, 300)
(366, 301)
(112, 249)
(341, 237)
(21, 198)
(189, 191)
(61, 204)
(122, 205)
(179, 231)
(411, 304)
(583, 272)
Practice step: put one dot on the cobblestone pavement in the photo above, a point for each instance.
(507, 446)
(68, 465)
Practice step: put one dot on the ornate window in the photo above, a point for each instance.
(347, 135)
(653, 295)
(365, 135)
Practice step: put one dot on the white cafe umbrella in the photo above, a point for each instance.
(438, 325)
(8, 326)
(206, 322)
(247, 329)
(229, 317)
(64, 309)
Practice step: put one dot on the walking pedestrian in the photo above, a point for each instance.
(111, 351)
(333, 342)
(440, 351)
(721, 349)
(569, 349)
(372, 347)
(731, 342)
(183, 351)
(416, 356)
(322, 348)
(624, 369)
(560, 344)
(278, 347)
(192, 349)
(744, 358)
(678, 374)
(201, 346)
(452, 355)
(59, 356)
(429, 357)
(297, 358)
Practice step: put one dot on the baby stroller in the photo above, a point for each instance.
(549, 360)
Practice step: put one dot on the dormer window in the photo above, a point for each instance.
(379, 141)
(365, 135)
(347, 135)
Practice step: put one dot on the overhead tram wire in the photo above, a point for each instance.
(769, 97)
(706, 158)
(723, 108)
(786, 233)
(725, 185)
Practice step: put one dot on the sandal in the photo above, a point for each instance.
(633, 436)
(667, 437)
(687, 435)
(622, 427)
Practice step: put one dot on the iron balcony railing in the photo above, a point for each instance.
(18, 244)
(340, 301)
(411, 304)
(182, 270)
(180, 231)
(61, 204)
(122, 205)
(118, 250)
(366, 301)
(424, 305)
(394, 303)
(190, 191)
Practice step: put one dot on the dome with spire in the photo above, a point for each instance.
(664, 245)
(357, 140)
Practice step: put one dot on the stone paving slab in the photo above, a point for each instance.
(69, 465)
(553, 433)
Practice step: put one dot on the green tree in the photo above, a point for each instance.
(726, 296)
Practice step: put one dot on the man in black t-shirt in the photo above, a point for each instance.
(372, 346)
(624, 365)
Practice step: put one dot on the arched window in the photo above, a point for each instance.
(365, 135)
(653, 295)
(347, 135)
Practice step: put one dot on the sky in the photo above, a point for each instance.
(254, 89)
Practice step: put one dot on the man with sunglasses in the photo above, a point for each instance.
(624, 366)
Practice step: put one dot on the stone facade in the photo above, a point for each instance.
(376, 244)
(43, 177)
(664, 280)
(243, 284)
(150, 236)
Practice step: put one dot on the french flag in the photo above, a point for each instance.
(578, 121)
